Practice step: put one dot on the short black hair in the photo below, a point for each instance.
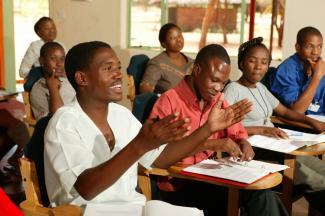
(209, 52)
(304, 32)
(39, 22)
(164, 31)
(79, 58)
(247, 46)
(49, 45)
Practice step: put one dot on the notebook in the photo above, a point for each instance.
(232, 172)
(296, 140)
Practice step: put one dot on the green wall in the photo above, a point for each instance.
(9, 45)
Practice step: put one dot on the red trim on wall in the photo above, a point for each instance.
(252, 19)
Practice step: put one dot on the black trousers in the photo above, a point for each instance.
(212, 199)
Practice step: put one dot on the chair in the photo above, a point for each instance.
(135, 72)
(268, 77)
(143, 104)
(145, 183)
(29, 118)
(33, 76)
(32, 173)
(33, 205)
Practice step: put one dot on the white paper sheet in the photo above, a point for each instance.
(245, 172)
(296, 140)
(152, 208)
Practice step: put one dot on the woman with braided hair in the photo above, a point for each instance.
(254, 60)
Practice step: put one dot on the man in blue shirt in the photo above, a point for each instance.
(299, 81)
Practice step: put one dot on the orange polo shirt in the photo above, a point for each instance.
(183, 100)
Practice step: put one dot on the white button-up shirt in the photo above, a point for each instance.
(73, 144)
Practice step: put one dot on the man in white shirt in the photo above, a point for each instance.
(93, 146)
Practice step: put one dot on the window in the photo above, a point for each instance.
(229, 23)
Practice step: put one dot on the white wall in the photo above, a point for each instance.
(298, 14)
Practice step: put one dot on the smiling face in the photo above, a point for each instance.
(211, 78)
(255, 64)
(47, 31)
(53, 61)
(103, 78)
(174, 41)
(311, 48)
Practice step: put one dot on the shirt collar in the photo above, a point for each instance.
(189, 96)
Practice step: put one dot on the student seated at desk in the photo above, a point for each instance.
(195, 97)
(169, 67)
(53, 90)
(93, 146)
(253, 60)
(299, 81)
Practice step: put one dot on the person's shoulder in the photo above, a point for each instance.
(39, 85)
(158, 58)
(117, 108)
(66, 115)
(232, 86)
(291, 60)
(36, 43)
(189, 59)
(261, 86)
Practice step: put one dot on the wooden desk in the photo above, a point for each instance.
(282, 121)
(299, 126)
(7, 95)
(233, 190)
(288, 174)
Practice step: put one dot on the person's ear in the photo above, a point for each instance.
(298, 47)
(163, 44)
(41, 61)
(39, 34)
(196, 69)
(81, 78)
(241, 64)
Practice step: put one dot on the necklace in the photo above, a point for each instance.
(266, 112)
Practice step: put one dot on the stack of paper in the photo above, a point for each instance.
(296, 140)
(245, 172)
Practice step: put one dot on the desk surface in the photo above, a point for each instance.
(313, 150)
(264, 183)
(7, 95)
(283, 121)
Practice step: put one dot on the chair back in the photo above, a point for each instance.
(30, 181)
(33, 76)
(143, 104)
(29, 118)
(268, 77)
(34, 150)
(32, 173)
(135, 71)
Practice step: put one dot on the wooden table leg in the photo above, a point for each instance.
(288, 175)
(233, 202)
